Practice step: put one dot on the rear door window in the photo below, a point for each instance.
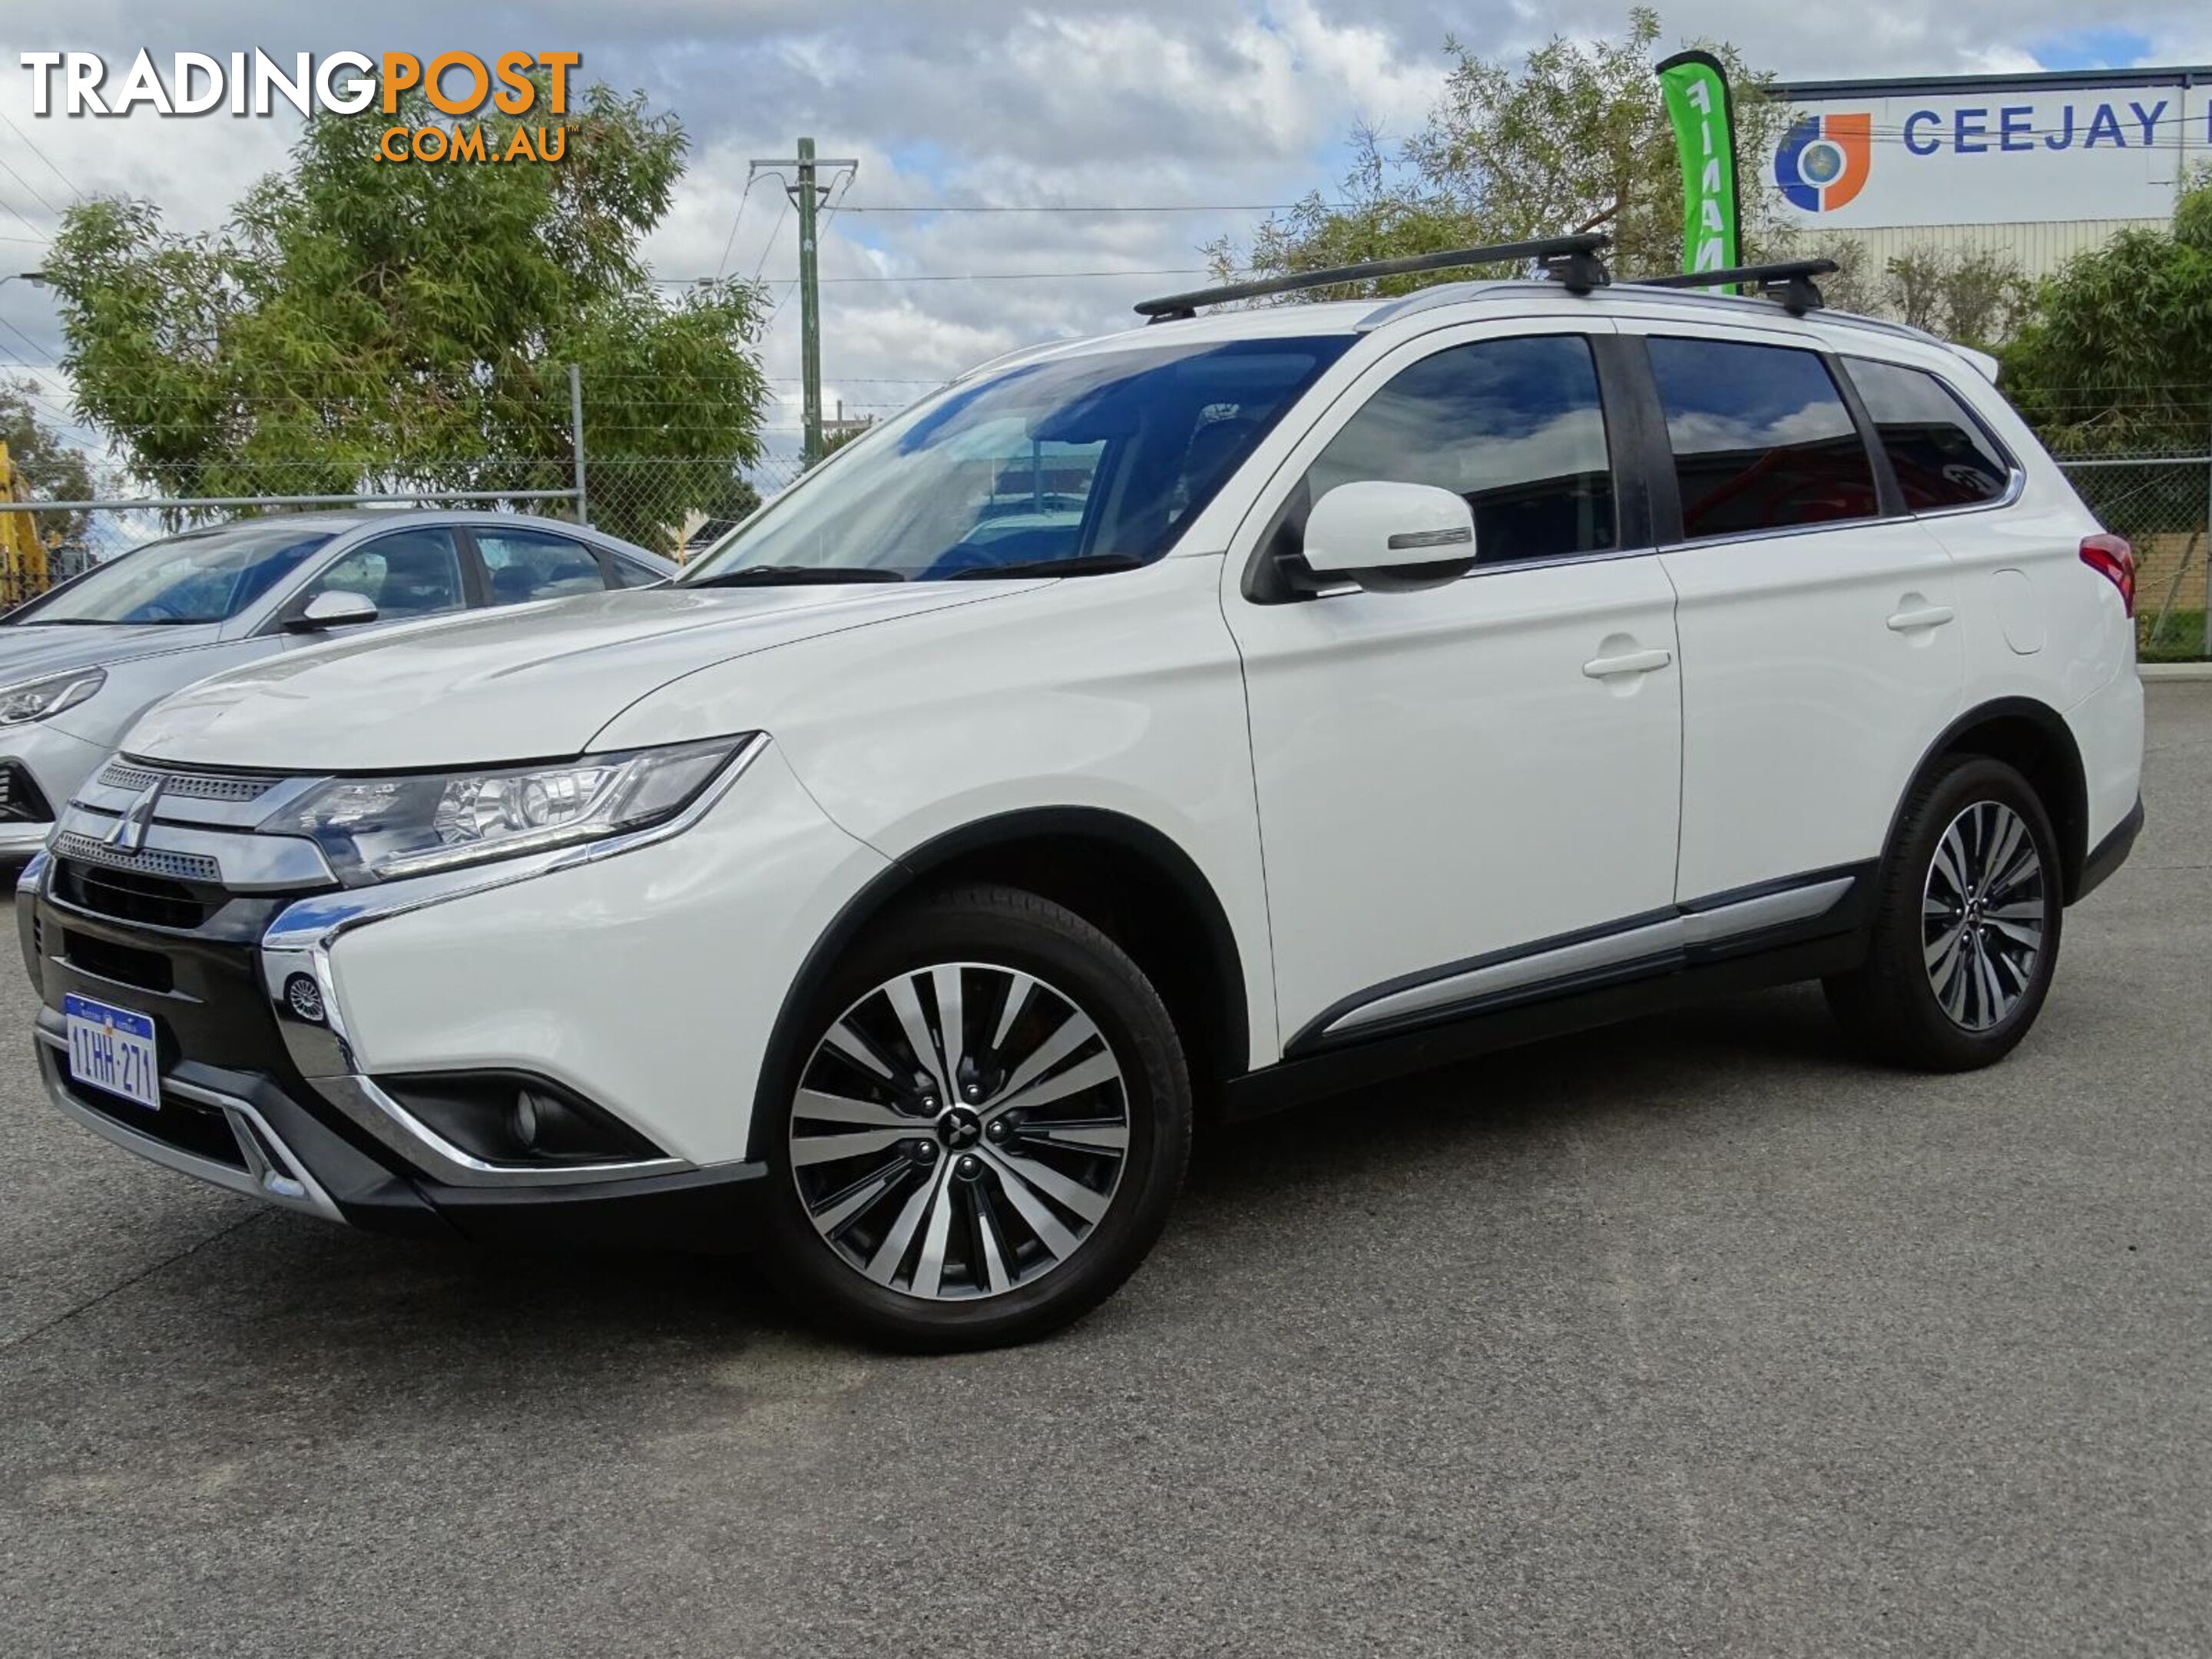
(627, 573)
(1941, 454)
(522, 565)
(1762, 440)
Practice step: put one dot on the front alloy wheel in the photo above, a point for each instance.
(959, 1131)
(983, 1126)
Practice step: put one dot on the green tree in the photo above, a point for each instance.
(1973, 294)
(2118, 354)
(54, 471)
(361, 323)
(1572, 138)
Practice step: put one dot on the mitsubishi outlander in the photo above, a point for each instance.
(1197, 718)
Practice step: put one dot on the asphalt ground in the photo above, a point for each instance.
(1698, 1335)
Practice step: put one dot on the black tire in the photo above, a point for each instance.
(1065, 955)
(1891, 1004)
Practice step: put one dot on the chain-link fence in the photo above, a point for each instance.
(628, 478)
(612, 456)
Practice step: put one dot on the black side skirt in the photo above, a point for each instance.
(1833, 942)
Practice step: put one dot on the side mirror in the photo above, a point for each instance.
(335, 608)
(1390, 537)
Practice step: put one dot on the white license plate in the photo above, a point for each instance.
(113, 1049)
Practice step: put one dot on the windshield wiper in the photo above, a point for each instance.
(1090, 564)
(776, 576)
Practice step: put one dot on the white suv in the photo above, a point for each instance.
(1199, 718)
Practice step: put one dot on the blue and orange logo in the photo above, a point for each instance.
(1825, 160)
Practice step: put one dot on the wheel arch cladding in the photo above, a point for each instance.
(1128, 879)
(2034, 740)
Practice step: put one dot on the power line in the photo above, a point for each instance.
(27, 185)
(831, 210)
(735, 219)
(774, 230)
(59, 390)
(830, 213)
(971, 277)
(1022, 275)
(1170, 207)
(38, 234)
(68, 183)
(842, 379)
(32, 391)
(34, 344)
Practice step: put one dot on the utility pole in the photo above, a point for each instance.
(808, 195)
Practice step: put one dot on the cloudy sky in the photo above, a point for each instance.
(1226, 105)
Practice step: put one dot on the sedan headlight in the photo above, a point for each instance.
(33, 700)
(376, 829)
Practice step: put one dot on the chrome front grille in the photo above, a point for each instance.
(150, 861)
(186, 786)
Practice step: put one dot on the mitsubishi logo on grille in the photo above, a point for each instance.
(129, 834)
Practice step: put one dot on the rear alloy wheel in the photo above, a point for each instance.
(984, 1141)
(1981, 915)
(1967, 909)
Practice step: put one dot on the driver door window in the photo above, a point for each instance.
(410, 573)
(1515, 427)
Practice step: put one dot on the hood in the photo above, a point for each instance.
(527, 683)
(29, 652)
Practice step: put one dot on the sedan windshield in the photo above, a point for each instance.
(1083, 464)
(207, 576)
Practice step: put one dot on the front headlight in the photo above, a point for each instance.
(376, 829)
(33, 700)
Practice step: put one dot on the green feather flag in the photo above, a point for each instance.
(1696, 90)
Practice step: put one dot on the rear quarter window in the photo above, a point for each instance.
(1941, 455)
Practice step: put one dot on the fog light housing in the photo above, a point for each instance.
(516, 1119)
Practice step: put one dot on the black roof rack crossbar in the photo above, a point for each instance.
(1572, 259)
(1790, 280)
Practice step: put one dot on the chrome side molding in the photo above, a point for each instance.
(1657, 940)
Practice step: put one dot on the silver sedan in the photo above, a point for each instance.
(79, 664)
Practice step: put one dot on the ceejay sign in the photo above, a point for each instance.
(1990, 150)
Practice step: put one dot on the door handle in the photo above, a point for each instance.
(1927, 616)
(1631, 662)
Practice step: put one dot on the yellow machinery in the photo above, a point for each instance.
(22, 555)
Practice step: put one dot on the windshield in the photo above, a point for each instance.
(1102, 458)
(207, 576)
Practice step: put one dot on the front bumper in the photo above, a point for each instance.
(22, 837)
(245, 1132)
(571, 976)
(40, 769)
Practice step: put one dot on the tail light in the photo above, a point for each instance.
(2111, 558)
